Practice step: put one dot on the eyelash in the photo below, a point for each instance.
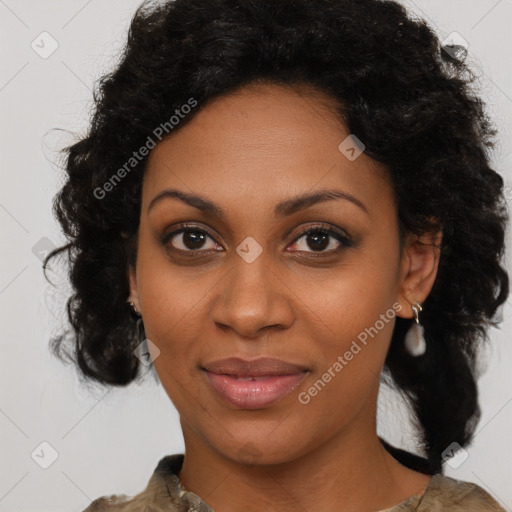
(344, 239)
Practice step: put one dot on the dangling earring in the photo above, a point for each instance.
(143, 348)
(415, 342)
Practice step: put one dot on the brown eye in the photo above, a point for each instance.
(321, 240)
(189, 240)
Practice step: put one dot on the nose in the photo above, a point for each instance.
(253, 298)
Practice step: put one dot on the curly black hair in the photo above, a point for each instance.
(408, 98)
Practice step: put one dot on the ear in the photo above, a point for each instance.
(418, 270)
(134, 294)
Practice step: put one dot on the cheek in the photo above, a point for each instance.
(353, 298)
(168, 294)
(170, 308)
(357, 306)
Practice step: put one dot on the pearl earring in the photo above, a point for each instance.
(134, 308)
(415, 342)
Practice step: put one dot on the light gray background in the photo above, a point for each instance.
(110, 442)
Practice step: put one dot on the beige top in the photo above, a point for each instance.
(165, 493)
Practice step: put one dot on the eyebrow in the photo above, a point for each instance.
(283, 209)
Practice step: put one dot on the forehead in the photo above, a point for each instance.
(265, 142)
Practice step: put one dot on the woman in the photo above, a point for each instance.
(291, 200)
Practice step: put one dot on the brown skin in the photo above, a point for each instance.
(246, 152)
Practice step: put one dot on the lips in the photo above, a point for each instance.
(264, 366)
(253, 384)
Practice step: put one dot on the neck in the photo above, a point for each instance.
(351, 468)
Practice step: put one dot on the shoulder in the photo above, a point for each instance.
(147, 500)
(160, 495)
(448, 494)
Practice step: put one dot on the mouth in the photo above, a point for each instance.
(254, 384)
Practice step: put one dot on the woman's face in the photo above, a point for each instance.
(249, 283)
